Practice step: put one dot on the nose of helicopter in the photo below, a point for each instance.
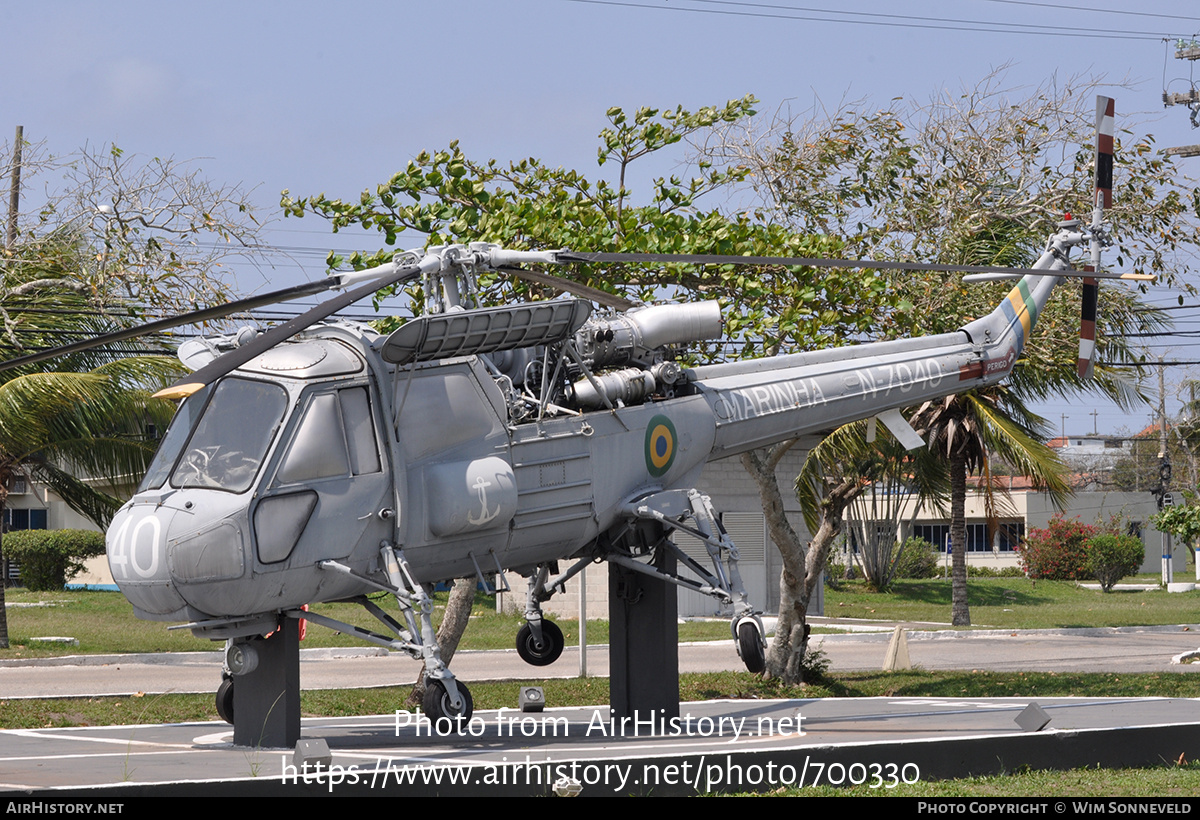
(157, 546)
(136, 547)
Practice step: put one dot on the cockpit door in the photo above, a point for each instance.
(329, 485)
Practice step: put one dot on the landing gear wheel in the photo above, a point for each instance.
(225, 700)
(546, 654)
(437, 703)
(750, 647)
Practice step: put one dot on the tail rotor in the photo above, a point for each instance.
(1103, 162)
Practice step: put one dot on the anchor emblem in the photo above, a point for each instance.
(484, 516)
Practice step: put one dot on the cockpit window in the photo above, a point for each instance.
(232, 437)
(173, 441)
(336, 437)
(318, 449)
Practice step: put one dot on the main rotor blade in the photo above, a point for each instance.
(601, 297)
(790, 261)
(237, 357)
(196, 316)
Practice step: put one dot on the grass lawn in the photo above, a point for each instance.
(1015, 603)
(104, 623)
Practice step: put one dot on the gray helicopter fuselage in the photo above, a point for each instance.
(319, 451)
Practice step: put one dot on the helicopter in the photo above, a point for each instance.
(322, 461)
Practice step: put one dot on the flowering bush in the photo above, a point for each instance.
(1059, 551)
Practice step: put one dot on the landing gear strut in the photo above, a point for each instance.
(540, 642)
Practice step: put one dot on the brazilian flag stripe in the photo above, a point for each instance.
(1020, 309)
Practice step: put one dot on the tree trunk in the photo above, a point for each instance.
(960, 613)
(3, 606)
(802, 565)
(785, 656)
(450, 631)
(3, 567)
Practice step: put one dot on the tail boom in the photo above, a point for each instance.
(761, 402)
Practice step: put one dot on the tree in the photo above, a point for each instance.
(967, 430)
(870, 484)
(451, 198)
(115, 239)
(58, 426)
(1181, 521)
(916, 180)
(1111, 557)
(79, 429)
(152, 232)
(977, 178)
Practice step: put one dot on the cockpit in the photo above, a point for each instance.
(220, 437)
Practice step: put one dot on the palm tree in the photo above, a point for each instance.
(843, 468)
(88, 419)
(57, 427)
(967, 430)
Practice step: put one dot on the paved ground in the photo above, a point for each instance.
(1130, 649)
(881, 739)
(714, 746)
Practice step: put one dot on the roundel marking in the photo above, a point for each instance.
(661, 440)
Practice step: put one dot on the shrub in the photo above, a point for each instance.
(1058, 552)
(918, 559)
(995, 572)
(1111, 557)
(50, 558)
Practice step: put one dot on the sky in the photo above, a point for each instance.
(321, 97)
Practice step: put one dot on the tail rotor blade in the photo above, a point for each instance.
(1087, 326)
(1103, 162)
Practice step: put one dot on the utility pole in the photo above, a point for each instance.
(1185, 50)
(1164, 470)
(14, 190)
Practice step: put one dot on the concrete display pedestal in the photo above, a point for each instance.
(643, 642)
(266, 702)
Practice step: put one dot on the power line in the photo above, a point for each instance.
(1037, 28)
(1094, 10)
(952, 25)
(1176, 363)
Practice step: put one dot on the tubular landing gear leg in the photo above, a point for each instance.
(692, 512)
(445, 697)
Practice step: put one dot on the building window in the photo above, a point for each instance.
(24, 520)
(1008, 535)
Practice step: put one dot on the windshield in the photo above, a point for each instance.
(177, 434)
(232, 436)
